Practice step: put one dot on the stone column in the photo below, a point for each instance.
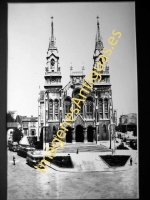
(97, 132)
(85, 111)
(53, 110)
(85, 135)
(103, 110)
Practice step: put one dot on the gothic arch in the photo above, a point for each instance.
(104, 132)
(106, 107)
(50, 109)
(56, 108)
(90, 135)
(66, 105)
(69, 135)
(89, 107)
(100, 108)
(79, 135)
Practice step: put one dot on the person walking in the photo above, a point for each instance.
(14, 159)
(77, 150)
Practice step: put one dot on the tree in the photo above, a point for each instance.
(10, 118)
(17, 135)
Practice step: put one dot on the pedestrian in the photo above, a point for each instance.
(77, 150)
(14, 159)
(130, 161)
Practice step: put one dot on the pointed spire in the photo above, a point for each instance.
(52, 40)
(98, 29)
(98, 42)
(52, 30)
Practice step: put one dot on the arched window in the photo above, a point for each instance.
(100, 108)
(89, 108)
(51, 109)
(106, 107)
(56, 105)
(67, 105)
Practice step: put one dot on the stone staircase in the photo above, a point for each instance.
(82, 147)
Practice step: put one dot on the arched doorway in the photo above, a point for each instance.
(79, 134)
(90, 134)
(104, 135)
(54, 131)
(69, 135)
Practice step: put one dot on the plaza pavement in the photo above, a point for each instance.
(89, 161)
(25, 182)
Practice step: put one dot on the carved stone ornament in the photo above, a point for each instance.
(46, 69)
(53, 90)
(53, 80)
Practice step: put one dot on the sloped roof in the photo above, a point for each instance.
(30, 119)
(12, 124)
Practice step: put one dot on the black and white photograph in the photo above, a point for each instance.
(72, 101)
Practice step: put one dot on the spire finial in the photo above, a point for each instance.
(97, 18)
(52, 31)
(98, 41)
(83, 66)
(71, 68)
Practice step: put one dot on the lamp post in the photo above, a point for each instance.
(109, 126)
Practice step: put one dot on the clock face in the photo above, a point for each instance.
(52, 62)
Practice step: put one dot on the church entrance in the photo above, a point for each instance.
(69, 135)
(90, 134)
(79, 134)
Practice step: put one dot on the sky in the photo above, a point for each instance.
(75, 25)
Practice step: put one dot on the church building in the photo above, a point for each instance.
(92, 123)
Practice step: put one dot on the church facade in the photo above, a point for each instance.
(96, 113)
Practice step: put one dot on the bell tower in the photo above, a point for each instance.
(103, 92)
(52, 69)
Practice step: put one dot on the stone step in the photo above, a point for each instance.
(72, 148)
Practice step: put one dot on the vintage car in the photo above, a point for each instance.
(34, 157)
(13, 146)
(22, 151)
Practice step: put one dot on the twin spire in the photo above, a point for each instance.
(98, 41)
(52, 41)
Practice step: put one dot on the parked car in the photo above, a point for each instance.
(22, 151)
(34, 157)
(13, 146)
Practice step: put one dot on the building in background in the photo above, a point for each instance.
(115, 117)
(54, 101)
(30, 126)
(128, 123)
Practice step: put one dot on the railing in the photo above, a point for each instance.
(77, 73)
(52, 73)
